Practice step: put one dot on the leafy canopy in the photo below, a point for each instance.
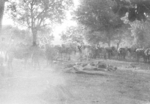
(136, 9)
(38, 13)
(98, 16)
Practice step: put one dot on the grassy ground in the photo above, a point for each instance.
(51, 86)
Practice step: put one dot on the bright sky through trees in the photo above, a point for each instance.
(57, 29)
(67, 23)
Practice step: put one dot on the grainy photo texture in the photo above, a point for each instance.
(74, 51)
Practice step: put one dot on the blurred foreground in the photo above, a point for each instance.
(51, 85)
(33, 86)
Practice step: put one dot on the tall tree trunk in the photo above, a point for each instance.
(2, 6)
(109, 43)
(34, 34)
(118, 44)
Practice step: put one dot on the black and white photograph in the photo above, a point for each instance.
(74, 51)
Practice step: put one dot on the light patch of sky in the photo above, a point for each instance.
(58, 29)
(6, 18)
(7, 21)
(67, 23)
(16, 1)
(76, 3)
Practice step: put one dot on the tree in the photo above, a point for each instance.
(98, 16)
(96, 37)
(136, 9)
(140, 30)
(45, 37)
(2, 7)
(74, 39)
(136, 14)
(12, 36)
(38, 14)
(123, 35)
(74, 34)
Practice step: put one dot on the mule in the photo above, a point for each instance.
(111, 52)
(147, 55)
(140, 53)
(21, 54)
(122, 52)
(37, 57)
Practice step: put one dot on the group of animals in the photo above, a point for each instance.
(122, 53)
(106, 52)
(51, 53)
(34, 55)
(27, 55)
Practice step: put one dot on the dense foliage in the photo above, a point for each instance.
(98, 16)
(136, 9)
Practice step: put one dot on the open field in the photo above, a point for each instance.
(50, 86)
